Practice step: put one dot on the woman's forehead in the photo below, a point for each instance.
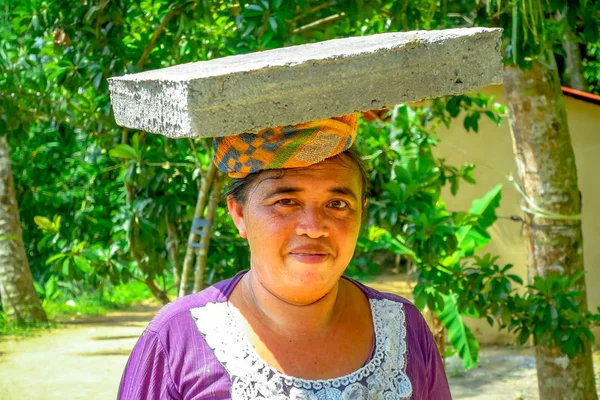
(334, 172)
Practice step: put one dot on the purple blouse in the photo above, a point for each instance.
(192, 350)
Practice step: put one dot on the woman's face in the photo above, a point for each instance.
(302, 226)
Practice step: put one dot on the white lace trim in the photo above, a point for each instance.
(383, 377)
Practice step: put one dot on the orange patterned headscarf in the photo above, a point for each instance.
(285, 146)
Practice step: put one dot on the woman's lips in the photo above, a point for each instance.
(307, 258)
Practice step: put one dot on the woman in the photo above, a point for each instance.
(292, 327)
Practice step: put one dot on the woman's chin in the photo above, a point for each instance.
(305, 289)
(302, 299)
(301, 283)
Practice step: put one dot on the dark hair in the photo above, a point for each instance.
(239, 188)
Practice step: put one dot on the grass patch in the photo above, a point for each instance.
(7, 329)
(99, 303)
(88, 303)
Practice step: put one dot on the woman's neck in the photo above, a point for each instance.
(292, 319)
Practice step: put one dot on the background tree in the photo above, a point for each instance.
(547, 171)
(102, 205)
(19, 298)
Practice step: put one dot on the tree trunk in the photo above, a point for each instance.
(156, 292)
(188, 262)
(205, 241)
(573, 67)
(173, 250)
(548, 176)
(574, 77)
(19, 299)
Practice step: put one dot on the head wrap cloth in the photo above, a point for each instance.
(285, 146)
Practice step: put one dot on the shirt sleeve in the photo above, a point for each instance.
(147, 375)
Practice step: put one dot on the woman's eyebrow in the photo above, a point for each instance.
(283, 190)
(343, 190)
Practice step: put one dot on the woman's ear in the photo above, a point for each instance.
(236, 210)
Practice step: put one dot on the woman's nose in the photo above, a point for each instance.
(312, 223)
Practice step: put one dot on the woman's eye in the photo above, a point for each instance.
(286, 202)
(339, 204)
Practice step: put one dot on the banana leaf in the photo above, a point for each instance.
(459, 335)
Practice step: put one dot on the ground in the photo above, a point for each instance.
(84, 359)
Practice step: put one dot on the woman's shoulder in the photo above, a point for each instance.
(177, 312)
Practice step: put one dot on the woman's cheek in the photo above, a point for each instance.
(274, 221)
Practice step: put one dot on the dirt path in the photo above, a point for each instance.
(85, 359)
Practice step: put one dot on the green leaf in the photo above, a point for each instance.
(486, 207)
(454, 184)
(97, 80)
(459, 335)
(38, 289)
(516, 278)
(82, 263)
(253, 10)
(50, 286)
(266, 38)
(124, 151)
(56, 74)
(273, 24)
(472, 238)
(66, 267)
(255, 7)
(77, 249)
(453, 106)
(401, 175)
(135, 141)
(523, 336)
(56, 257)
(43, 223)
(471, 122)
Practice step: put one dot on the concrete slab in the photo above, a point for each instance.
(246, 93)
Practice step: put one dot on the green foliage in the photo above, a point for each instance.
(96, 200)
(30, 329)
(550, 313)
(406, 213)
(531, 28)
(72, 301)
(591, 67)
(459, 334)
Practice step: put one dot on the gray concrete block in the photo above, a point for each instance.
(246, 93)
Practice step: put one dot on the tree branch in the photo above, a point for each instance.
(99, 17)
(314, 24)
(158, 32)
(312, 10)
(169, 164)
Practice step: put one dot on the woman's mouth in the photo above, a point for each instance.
(313, 253)
(310, 258)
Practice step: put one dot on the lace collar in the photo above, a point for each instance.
(382, 377)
